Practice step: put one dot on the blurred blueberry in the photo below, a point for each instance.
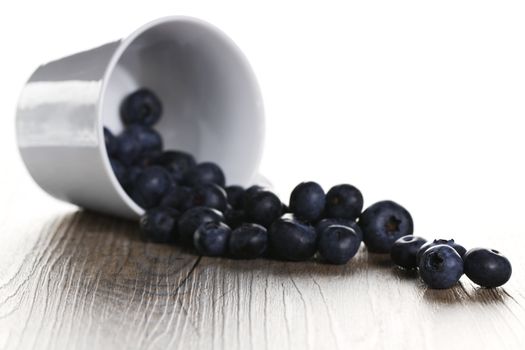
(235, 196)
(177, 197)
(177, 163)
(141, 107)
(209, 195)
(205, 173)
(151, 185)
(111, 142)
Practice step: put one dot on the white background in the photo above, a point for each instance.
(419, 102)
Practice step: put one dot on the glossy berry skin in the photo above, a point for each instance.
(404, 251)
(323, 224)
(338, 244)
(263, 208)
(440, 267)
(159, 225)
(307, 201)
(292, 240)
(149, 139)
(235, 196)
(193, 218)
(209, 195)
(211, 238)
(248, 241)
(177, 163)
(141, 107)
(383, 223)
(120, 171)
(151, 185)
(128, 149)
(343, 201)
(177, 197)
(111, 142)
(487, 267)
(450, 242)
(205, 173)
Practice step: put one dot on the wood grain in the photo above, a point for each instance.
(71, 279)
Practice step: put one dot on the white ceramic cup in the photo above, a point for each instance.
(212, 108)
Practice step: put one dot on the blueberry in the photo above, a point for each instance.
(209, 195)
(307, 201)
(211, 238)
(111, 142)
(450, 242)
(323, 224)
(383, 223)
(146, 159)
(120, 172)
(177, 197)
(440, 267)
(263, 208)
(151, 185)
(487, 267)
(133, 174)
(159, 224)
(193, 218)
(249, 193)
(235, 196)
(234, 217)
(248, 241)
(148, 138)
(404, 251)
(344, 201)
(177, 163)
(128, 149)
(338, 244)
(292, 240)
(141, 107)
(205, 173)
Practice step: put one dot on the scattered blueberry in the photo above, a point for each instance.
(151, 185)
(111, 142)
(292, 240)
(177, 163)
(344, 201)
(249, 193)
(487, 267)
(146, 159)
(263, 208)
(141, 107)
(450, 242)
(383, 223)
(128, 149)
(323, 224)
(209, 195)
(235, 196)
(441, 267)
(307, 201)
(193, 218)
(404, 251)
(205, 173)
(211, 238)
(159, 225)
(338, 244)
(148, 138)
(248, 241)
(178, 197)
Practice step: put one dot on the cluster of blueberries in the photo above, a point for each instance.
(189, 203)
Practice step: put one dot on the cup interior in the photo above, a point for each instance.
(212, 105)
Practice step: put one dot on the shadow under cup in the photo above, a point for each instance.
(212, 108)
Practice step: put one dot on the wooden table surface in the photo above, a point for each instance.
(71, 279)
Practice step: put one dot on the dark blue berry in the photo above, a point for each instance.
(111, 142)
(235, 196)
(146, 159)
(248, 241)
(205, 173)
(159, 224)
(343, 201)
(323, 224)
(209, 195)
(234, 217)
(148, 138)
(151, 185)
(487, 267)
(193, 218)
(249, 193)
(141, 107)
(177, 163)
(120, 171)
(404, 251)
(128, 149)
(263, 208)
(450, 242)
(338, 244)
(440, 267)
(383, 223)
(177, 197)
(307, 201)
(292, 240)
(211, 238)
